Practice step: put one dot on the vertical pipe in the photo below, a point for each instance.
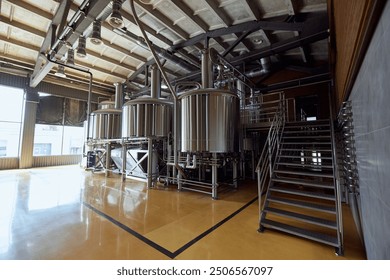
(118, 95)
(207, 70)
(108, 159)
(124, 161)
(150, 163)
(235, 179)
(155, 85)
(214, 178)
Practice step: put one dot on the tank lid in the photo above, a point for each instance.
(107, 111)
(148, 100)
(206, 91)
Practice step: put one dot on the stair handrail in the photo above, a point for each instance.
(265, 165)
(336, 181)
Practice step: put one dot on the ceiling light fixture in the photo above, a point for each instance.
(96, 37)
(81, 52)
(60, 71)
(115, 19)
(70, 57)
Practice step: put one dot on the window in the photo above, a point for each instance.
(11, 111)
(53, 140)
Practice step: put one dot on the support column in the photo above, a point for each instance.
(28, 128)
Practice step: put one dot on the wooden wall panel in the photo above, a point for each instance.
(352, 25)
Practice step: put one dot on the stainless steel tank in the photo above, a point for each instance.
(146, 116)
(209, 121)
(105, 124)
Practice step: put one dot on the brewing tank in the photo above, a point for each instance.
(146, 116)
(209, 121)
(106, 105)
(105, 123)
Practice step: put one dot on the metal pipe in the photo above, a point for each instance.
(207, 70)
(175, 98)
(155, 85)
(150, 163)
(118, 95)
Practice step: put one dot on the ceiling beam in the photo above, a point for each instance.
(41, 34)
(283, 46)
(303, 50)
(37, 49)
(256, 25)
(253, 9)
(30, 8)
(87, 17)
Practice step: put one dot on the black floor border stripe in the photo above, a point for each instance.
(159, 248)
(132, 232)
(199, 237)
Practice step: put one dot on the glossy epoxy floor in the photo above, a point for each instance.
(67, 213)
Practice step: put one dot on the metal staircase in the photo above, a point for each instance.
(303, 196)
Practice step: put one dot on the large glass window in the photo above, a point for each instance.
(11, 111)
(53, 140)
(59, 128)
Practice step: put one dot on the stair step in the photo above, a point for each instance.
(303, 204)
(310, 157)
(303, 193)
(308, 137)
(316, 236)
(305, 165)
(304, 173)
(305, 150)
(302, 217)
(324, 121)
(306, 131)
(309, 183)
(305, 143)
(288, 126)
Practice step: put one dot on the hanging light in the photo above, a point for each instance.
(115, 19)
(70, 58)
(96, 37)
(81, 52)
(60, 71)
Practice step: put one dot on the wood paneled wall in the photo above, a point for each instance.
(352, 25)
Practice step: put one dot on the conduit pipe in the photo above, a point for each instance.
(165, 77)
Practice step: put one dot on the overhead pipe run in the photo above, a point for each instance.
(167, 82)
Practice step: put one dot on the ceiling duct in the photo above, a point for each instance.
(115, 19)
(96, 37)
(81, 52)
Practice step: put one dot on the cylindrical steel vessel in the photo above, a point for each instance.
(146, 116)
(105, 124)
(209, 121)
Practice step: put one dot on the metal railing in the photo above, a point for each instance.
(336, 182)
(265, 165)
